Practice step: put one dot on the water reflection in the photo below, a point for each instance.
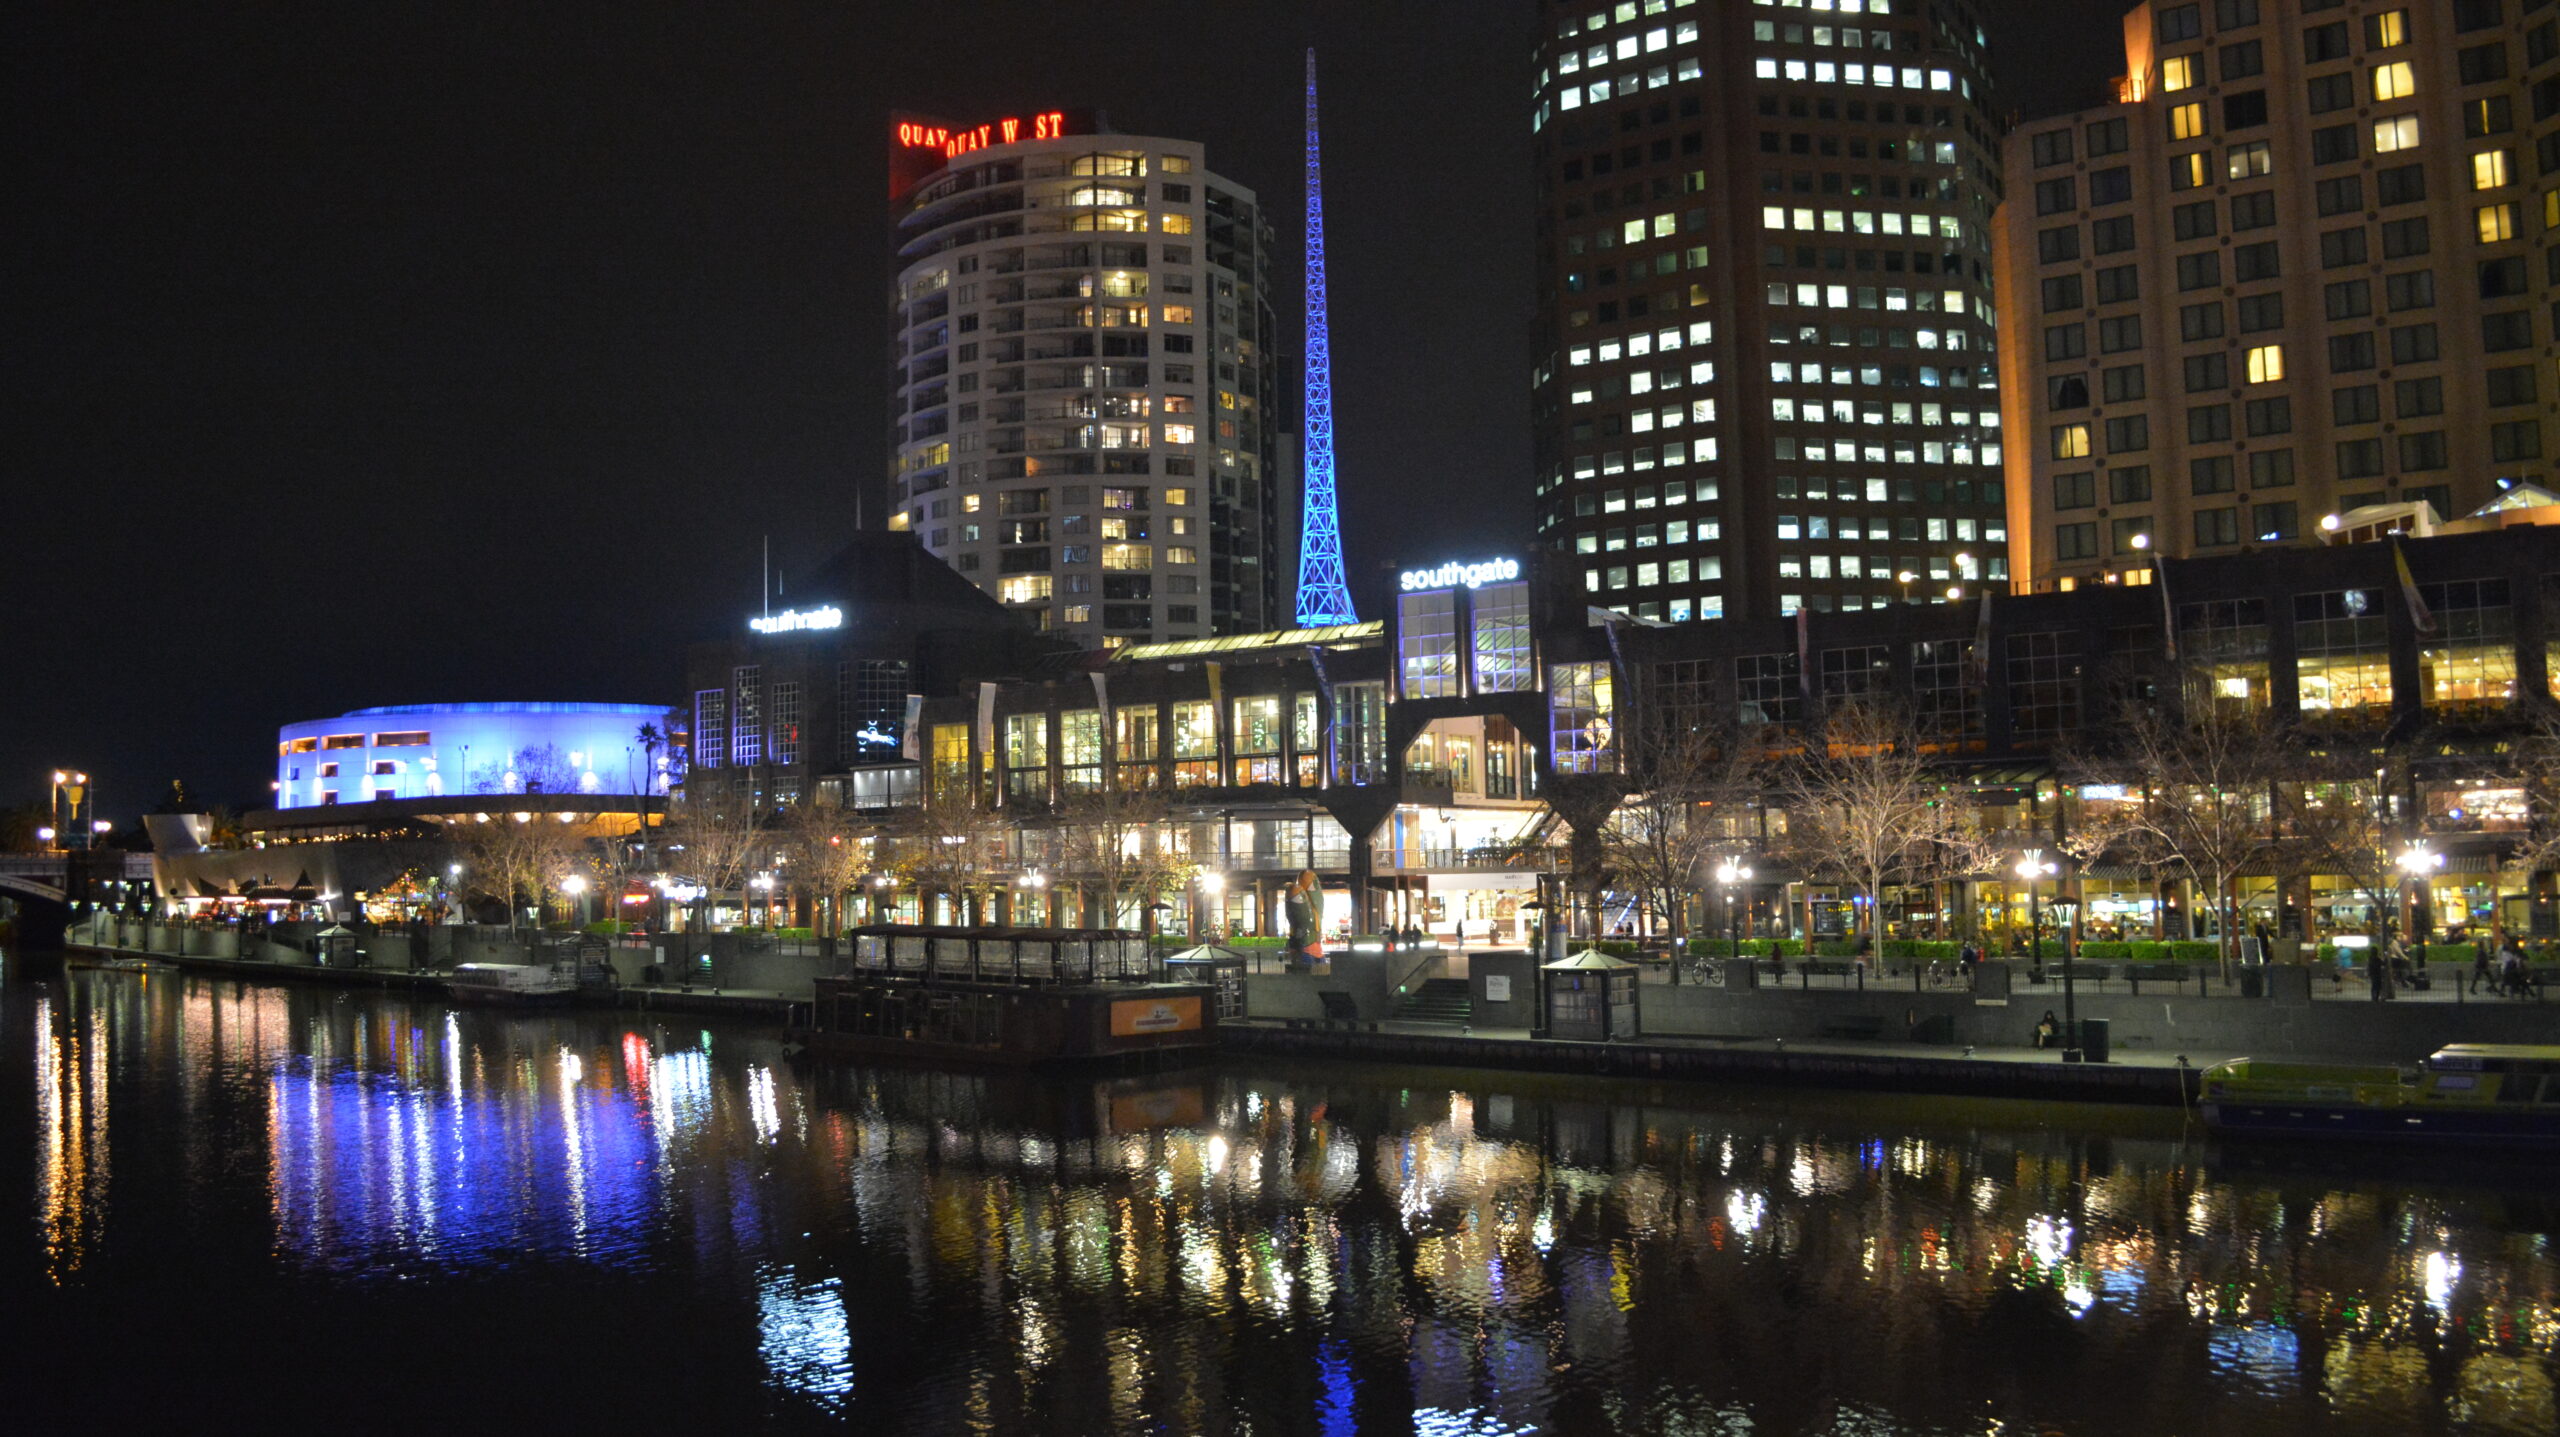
(1304, 1249)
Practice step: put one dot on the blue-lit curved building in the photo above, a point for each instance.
(407, 751)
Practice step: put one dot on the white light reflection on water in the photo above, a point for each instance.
(803, 1337)
(1208, 1252)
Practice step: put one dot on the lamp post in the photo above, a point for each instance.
(1904, 579)
(575, 885)
(763, 883)
(1032, 883)
(2035, 867)
(1730, 875)
(2415, 862)
(881, 883)
(1213, 892)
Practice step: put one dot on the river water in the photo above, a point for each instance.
(234, 1207)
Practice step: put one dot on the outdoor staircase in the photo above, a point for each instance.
(1439, 1000)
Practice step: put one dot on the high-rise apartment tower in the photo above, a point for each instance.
(1084, 408)
(2301, 266)
(1765, 376)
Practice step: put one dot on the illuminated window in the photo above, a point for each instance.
(1174, 224)
(1024, 589)
(2386, 30)
(2186, 122)
(2266, 364)
(2250, 160)
(2400, 132)
(1173, 164)
(1128, 556)
(1076, 614)
(1177, 314)
(2488, 169)
(2178, 72)
(2495, 222)
(2070, 441)
(2394, 81)
(2187, 172)
(1181, 434)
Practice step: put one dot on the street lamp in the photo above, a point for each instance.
(1213, 889)
(1032, 883)
(2033, 867)
(1904, 579)
(575, 885)
(1732, 874)
(2415, 863)
(763, 883)
(881, 883)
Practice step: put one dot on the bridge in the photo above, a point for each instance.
(44, 891)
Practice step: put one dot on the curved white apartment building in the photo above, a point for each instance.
(1085, 418)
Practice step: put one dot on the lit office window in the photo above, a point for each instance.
(2488, 169)
(2395, 81)
(2398, 132)
(2266, 364)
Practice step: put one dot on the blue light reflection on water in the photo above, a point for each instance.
(1326, 1244)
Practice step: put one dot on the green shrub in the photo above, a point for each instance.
(2448, 953)
(2110, 952)
(2189, 950)
(795, 933)
(608, 927)
(1924, 949)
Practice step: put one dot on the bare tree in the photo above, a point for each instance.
(1866, 808)
(955, 846)
(518, 860)
(1694, 789)
(2202, 784)
(826, 850)
(1123, 843)
(2335, 812)
(719, 841)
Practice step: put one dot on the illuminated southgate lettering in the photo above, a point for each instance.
(1047, 125)
(1450, 576)
(789, 620)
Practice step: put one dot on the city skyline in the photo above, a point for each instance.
(377, 363)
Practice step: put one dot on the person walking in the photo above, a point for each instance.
(1298, 911)
(2484, 952)
(2266, 937)
(2379, 965)
(2511, 971)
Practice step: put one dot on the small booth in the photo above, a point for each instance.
(335, 947)
(1591, 997)
(1219, 969)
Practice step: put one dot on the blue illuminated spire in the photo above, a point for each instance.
(1322, 596)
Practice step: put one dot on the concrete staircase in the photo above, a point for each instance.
(1444, 1001)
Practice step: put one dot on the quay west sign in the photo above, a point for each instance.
(954, 142)
(793, 620)
(1451, 576)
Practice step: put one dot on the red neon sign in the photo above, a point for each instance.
(914, 135)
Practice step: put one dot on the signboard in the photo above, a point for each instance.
(1497, 988)
(794, 620)
(1137, 1017)
(919, 145)
(1451, 576)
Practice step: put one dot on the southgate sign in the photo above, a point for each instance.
(1450, 576)
(791, 620)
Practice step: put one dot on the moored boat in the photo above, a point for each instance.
(2479, 1093)
(514, 984)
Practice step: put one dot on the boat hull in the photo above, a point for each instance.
(2486, 1125)
(512, 997)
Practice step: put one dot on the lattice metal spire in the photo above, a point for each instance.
(1323, 598)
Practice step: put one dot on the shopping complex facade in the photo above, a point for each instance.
(1434, 767)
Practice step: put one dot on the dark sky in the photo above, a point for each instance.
(385, 353)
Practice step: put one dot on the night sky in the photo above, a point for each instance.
(383, 353)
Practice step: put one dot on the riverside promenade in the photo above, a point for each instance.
(1824, 1025)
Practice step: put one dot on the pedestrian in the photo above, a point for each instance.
(2266, 941)
(1298, 911)
(1968, 960)
(2378, 969)
(2511, 971)
(2046, 1028)
(2484, 953)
